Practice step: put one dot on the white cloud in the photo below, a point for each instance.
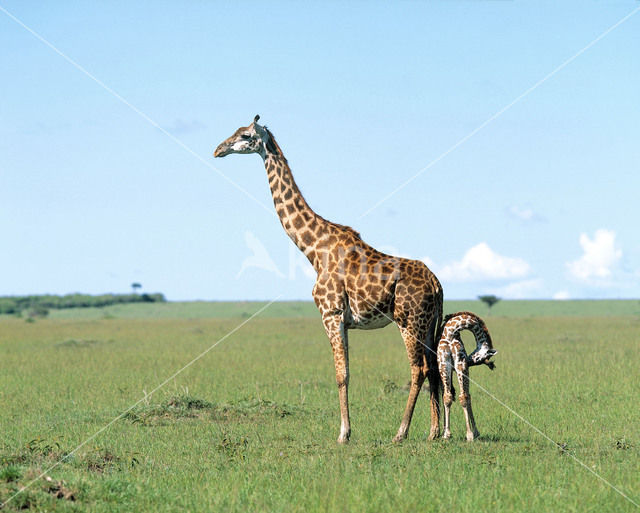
(525, 214)
(599, 257)
(524, 289)
(481, 263)
(561, 295)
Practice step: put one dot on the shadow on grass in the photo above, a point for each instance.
(189, 407)
(500, 438)
(78, 343)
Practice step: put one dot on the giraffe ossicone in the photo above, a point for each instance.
(357, 287)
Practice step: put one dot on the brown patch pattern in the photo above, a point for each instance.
(357, 287)
(452, 356)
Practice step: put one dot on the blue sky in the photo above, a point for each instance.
(97, 192)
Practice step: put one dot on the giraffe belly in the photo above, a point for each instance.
(371, 319)
(371, 323)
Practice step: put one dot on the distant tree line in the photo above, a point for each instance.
(18, 304)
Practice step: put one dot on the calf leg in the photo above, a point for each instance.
(465, 400)
(445, 368)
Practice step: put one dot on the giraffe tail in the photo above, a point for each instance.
(435, 333)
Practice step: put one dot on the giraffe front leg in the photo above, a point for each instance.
(445, 367)
(341, 360)
(465, 401)
(337, 334)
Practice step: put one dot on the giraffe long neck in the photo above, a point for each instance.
(469, 321)
(299, 221)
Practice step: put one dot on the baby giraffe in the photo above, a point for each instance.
(452, 355)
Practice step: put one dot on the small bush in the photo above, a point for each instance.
(38, 311)
(10, 473)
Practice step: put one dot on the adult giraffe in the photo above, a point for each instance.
(357, 286)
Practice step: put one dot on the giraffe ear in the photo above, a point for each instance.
(258, 128)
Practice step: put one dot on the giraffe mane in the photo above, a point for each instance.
(272, 144)
(274, 147)
(448, 317)
(480, 322)
(455, 314)
(349, 230)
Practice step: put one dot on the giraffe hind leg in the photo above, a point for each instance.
(417, 379)
(418, 375)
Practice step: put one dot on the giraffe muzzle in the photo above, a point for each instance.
(221, 151)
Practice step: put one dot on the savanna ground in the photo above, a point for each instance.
(252, 425)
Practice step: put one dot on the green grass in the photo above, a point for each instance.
(251, 426)
(190, 310)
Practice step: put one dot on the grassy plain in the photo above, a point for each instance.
(251, 426)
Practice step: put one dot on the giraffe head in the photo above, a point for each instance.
(483, 352)
(246, 139)
(481, 356)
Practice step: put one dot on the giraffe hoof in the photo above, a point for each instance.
(472, 436)
(433, 435)
(344, 437)
(446, 436)
(399, 439)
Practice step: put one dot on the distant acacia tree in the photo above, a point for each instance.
(136, 287)
(38, 311)
(489, 300)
